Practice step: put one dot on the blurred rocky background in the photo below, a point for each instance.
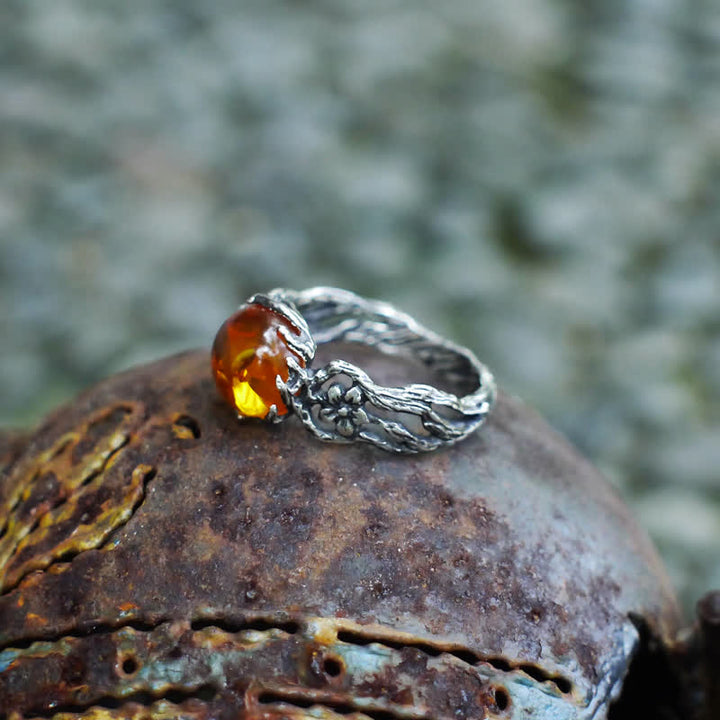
(538, 179)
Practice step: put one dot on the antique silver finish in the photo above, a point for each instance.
(339, 402)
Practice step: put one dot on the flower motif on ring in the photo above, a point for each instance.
(344, 409)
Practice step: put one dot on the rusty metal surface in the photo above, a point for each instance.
(159, 560)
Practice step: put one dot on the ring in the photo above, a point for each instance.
(261, 360)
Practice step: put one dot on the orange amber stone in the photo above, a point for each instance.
(248, 354)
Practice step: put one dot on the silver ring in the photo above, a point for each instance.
(339, 402)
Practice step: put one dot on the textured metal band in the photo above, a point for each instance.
(340, 403)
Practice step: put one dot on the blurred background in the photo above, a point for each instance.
(537, 179)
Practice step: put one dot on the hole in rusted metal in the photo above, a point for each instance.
(186, 427)
(333, 666)
(467, 656)
(151, 474)
(341, 708)
(260, 624)
(499, 663)
(129, 665)
(502, 699)
(537, 673)
(356, 638)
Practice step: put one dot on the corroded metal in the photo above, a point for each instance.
(160, 559)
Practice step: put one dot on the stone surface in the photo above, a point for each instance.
(158, 551)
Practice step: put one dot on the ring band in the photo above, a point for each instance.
(339, 402)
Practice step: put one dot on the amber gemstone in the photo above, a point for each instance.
(247, 356)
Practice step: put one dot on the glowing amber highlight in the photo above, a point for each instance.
(248, 354)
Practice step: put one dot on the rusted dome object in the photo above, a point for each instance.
(159, 559)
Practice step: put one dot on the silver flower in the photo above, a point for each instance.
(344, 409)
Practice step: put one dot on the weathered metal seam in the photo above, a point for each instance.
(432, 649)
(303, 626)
(278, 695)
(144, 699)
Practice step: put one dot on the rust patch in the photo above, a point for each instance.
(185, 427)
(56, 503)
(84, 524)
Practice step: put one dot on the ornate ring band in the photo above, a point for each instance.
(261, 364)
